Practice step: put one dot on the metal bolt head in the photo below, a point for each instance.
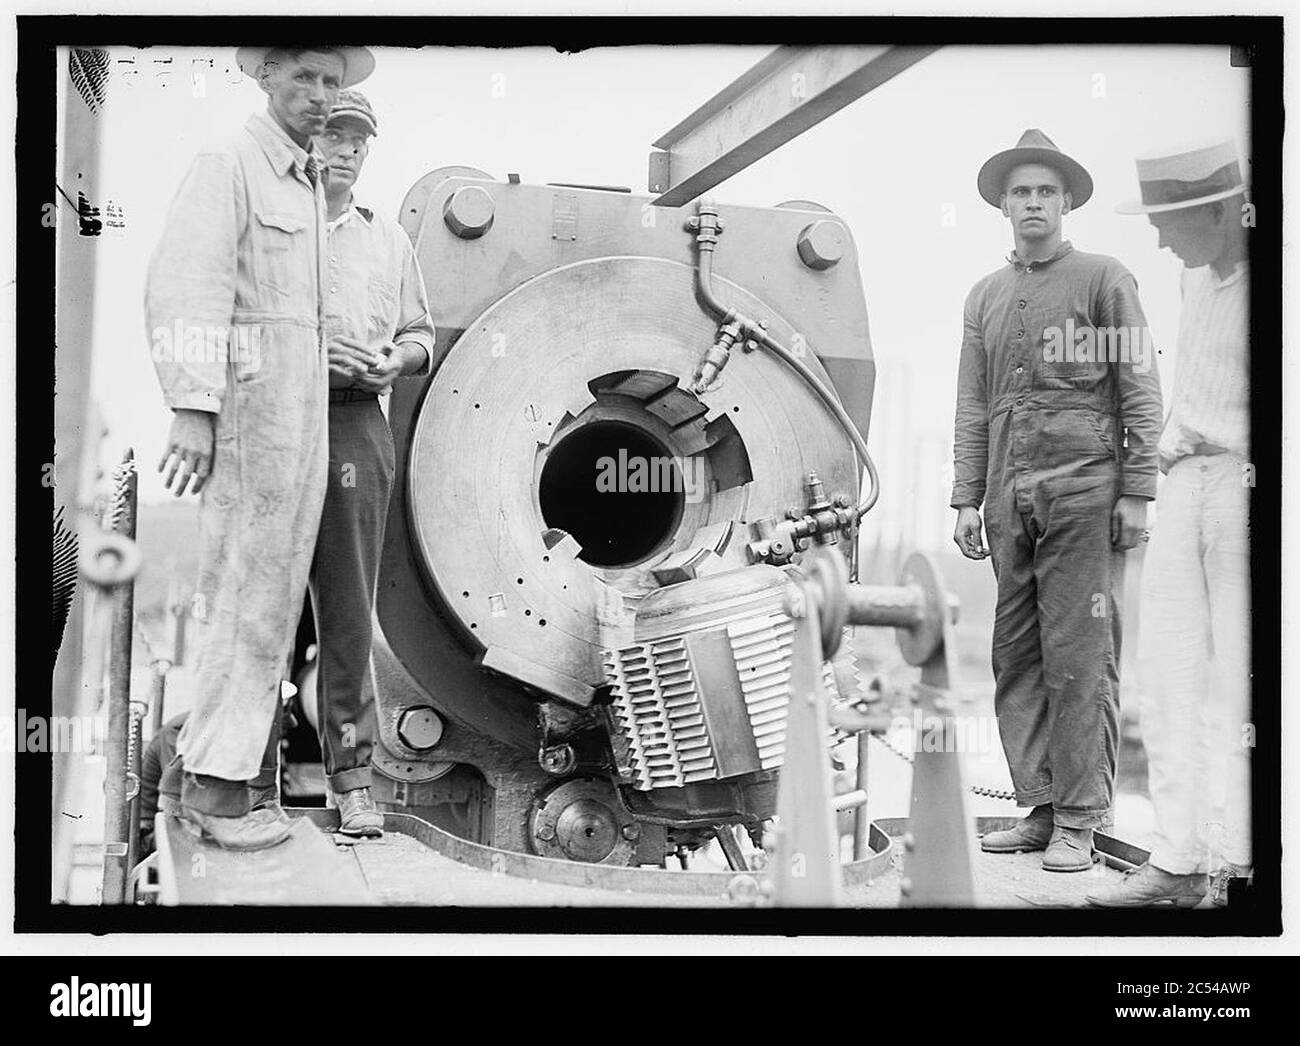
(743, 891)
(821, 244)
(631, 832)
(546, 833)
(559, 759)
(420, 728)
(469, 212)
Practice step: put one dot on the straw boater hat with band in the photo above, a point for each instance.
(1034, 147)
(1170, 181)
(358, 62)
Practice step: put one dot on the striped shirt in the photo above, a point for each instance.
(1211, 400)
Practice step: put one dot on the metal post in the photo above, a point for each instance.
(158, 693)
(180, 615)
(938, 863)
(116, 798)
(861, 822)
(135, 764)
(806, 861)
(939, 850)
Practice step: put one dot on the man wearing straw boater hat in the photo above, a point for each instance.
(240, 265)
(1058, 413)
(1195, 637)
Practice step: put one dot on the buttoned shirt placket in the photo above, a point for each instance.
(1025, 272)
(318, 195)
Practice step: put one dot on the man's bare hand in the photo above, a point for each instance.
(398, 360)
(381, 374)
(969, 534)
(1128, 522)
(350, 358)
(189, 450)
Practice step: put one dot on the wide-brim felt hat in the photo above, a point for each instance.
(1034, 147)
(1187, 177)
(358, 62)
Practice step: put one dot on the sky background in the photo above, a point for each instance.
(898, 166)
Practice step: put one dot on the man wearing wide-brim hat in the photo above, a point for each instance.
(234, 312)
(1058, 413)
(1195, 636)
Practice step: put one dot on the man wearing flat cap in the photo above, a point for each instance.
(1195, 639)
(377, 329)
(241, 262)
(1058, 413)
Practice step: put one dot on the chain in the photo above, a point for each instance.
(121, 476)
(884, 740)
(991, 793)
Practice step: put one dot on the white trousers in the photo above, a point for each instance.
(1194, 664)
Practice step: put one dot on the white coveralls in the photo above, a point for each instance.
(236, 279)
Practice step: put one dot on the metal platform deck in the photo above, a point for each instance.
(418, 864)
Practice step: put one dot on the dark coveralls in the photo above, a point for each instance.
(1048, 446)
(375, 293)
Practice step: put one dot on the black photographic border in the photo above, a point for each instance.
(1258, 37)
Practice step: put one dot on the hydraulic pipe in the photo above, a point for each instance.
(706, 239)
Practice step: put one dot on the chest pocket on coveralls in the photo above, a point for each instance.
(279, 251)
(1073, 354)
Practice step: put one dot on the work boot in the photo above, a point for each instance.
(1029, 833)
(358, 814)
(1147, 885)
(266, 803)
(1069, 851)
(1220, 879)
(251, 831)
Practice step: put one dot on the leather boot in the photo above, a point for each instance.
(251, 831)
(1147, 885)
(266, 803)
(1029, 833)
(1069, 851)
(358, 814)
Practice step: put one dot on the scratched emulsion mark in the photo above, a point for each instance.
(88, 223)
(88, 68)
(64, 576)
